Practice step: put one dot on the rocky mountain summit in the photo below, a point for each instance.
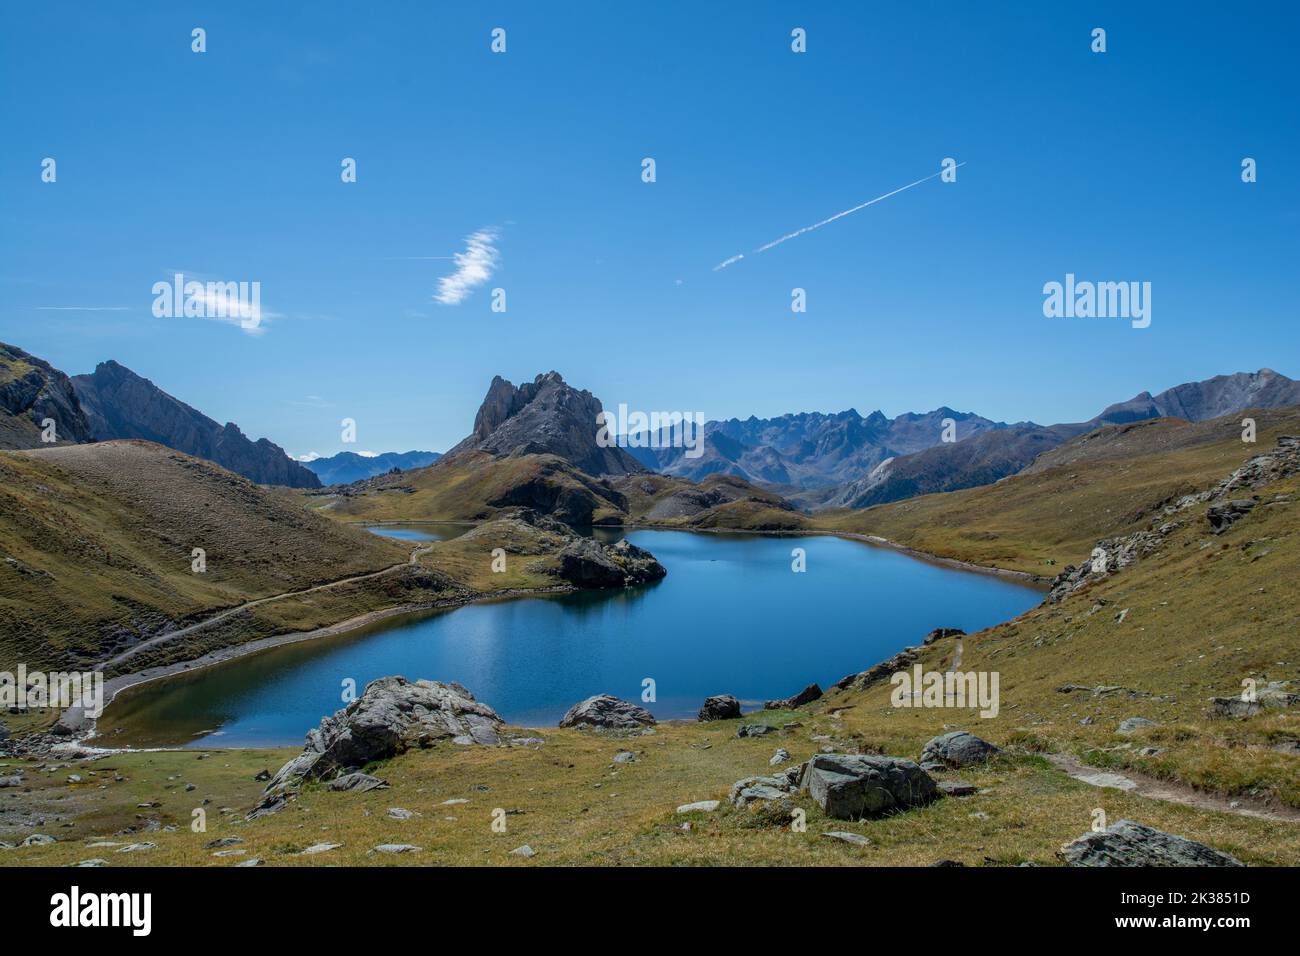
(121, 404)
(32, 391)
(545, 417)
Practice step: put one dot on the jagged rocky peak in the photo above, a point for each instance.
(32, 392)
(546, 416)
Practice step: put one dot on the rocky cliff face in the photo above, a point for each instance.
(545, 417)
(120, 404)
(1199, 401)
(31, 391)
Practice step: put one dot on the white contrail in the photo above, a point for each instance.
(838, 215)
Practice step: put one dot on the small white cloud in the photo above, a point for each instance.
(368, 454)
(474, 267)
(310, 456)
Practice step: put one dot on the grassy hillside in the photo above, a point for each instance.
(1155, 640)
(475, 486)
(1050, 515)
(96, 543)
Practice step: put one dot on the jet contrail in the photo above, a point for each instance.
(839, 215)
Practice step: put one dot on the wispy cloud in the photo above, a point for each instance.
(83, 308)
(310, 456)
(732, 260)
(474, 267)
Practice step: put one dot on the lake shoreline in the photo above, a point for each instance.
(84, 728)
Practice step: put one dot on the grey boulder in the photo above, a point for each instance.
(1126, 843)
(390, 717)
(957, 749)
(852, 786)
(720, 707)
(605, 710)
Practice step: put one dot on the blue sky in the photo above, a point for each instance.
(1117, 166)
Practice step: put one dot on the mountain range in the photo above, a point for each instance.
(815, 460)
(348, 466)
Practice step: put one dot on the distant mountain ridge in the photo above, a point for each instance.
(348, 466)
(31, 392)
(121, 404)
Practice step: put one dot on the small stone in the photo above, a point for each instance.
(781, 756)
(397, 848)
(1133, 724)
(524, 851)
(845, 837)
(705, 806)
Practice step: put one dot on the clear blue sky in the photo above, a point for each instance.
(1119, 166)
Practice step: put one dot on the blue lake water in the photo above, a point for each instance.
(730, 617)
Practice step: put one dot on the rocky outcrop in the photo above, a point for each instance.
(605, 710)
(720, 707)
(1226, 508)
(590, 564)
(545, 417)
(1222, 516)
(390, 717)
(1127, 843)
(957, 749)
(879, 672)
(120, 404)
(853, 786)
(806, 696)
(1276, 695)
(31, 392)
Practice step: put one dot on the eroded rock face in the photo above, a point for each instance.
(720, 707)
(852, 786)
(957, 749)
(31, 391)
(605, 710)
(392, 716)
(1126, 843)
(590, 564)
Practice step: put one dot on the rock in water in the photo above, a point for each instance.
(720, 707)
(1127, 843)
(957, 749)
(392, 716)
(851, 786)
(605, 710)
(590, 564)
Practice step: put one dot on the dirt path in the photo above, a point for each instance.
(1170, 792)
(222, 615)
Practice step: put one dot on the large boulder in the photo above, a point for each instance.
(605, 710)
(957, 749)
(590, 564)
(805, 696)
(852, 786)
(390, 717)
(1224, 515)
(720, 707)
(1127, 843)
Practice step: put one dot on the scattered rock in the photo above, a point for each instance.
(958, 749)
(1133, 724)
(704, 806)
(1127, 843)
(604, 710)
(222, 842)
(939, 633)
(857, 839)
(625, 756)
(805, 696)
(851, 786)
(755, 730)
(781, 756)
(38, 839)
(720, 707)
(396, 848)
(956, 788)
(399, 813)
(524, 851)
(357, 782)
(136, 847)
(96, 861)
(316, 848)
(252, 861)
